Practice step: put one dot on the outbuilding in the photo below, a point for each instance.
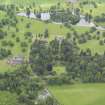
(45, 16)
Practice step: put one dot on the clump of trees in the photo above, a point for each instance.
(44, 56)
(80, 65)
(26, 85)
(2, 34)
(64, 16)
(10, 18)
(4, 53)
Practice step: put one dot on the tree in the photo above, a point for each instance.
(2, 34)
(46, 33)
(88, 17)
(40, 57)
(4, 53)
(28, 12)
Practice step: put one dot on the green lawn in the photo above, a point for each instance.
(95, 11)
(5, 67)
(30, 2)
(7, 98)
(94, 46)
(80, 94)
(2, 14)
(59, 69)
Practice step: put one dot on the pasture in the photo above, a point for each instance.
(80, 94)
(30, 2)
(7, 98)
(94, 46)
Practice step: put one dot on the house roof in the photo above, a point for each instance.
(45, 16)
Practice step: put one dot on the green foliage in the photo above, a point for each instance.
(64, 16)
(4, 53)
(22, 83)
(2, 34)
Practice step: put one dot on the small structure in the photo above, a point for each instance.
(22, 14)
(16, 60)
(85, 23)
(45, 16)
(32, 15)
(100, 28)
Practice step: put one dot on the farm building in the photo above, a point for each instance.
(45, 16)
(83, 22)
(32, 15)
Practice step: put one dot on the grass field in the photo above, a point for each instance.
(7, 98)
(59, 69)
(80, 94)
(5, 67)
(30, 2)
(94, 46)
(95, 11)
